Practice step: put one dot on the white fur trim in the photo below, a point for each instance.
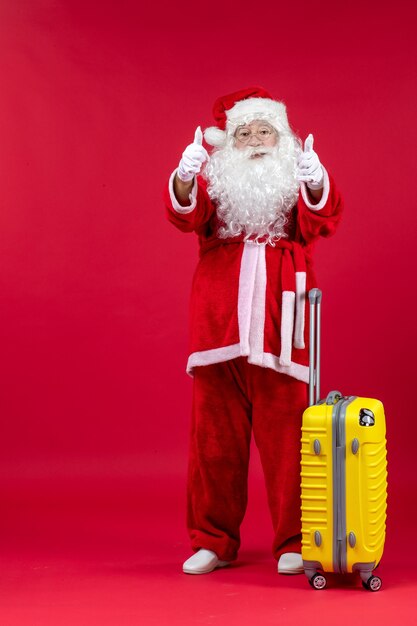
(251, 301)
(295, 370)
(193, 196)
(300, 300)
(257, 326)
(216, 355)
(325, 196)
(258, 108)
(220, 355)
(215, 136)
(247, 277)
(287, 327)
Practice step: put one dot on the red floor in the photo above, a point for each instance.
(101, 554)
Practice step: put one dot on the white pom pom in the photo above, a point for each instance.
(215, 137)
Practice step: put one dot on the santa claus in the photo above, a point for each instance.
(257, 204)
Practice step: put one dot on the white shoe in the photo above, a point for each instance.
(202, 562)
(290, 563)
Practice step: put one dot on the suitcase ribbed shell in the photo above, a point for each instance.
(316, 488)
(366, 483)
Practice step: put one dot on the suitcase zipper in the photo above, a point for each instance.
(339, 484)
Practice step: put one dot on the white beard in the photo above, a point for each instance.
(254, 195)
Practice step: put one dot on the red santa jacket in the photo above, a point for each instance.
(249, 299)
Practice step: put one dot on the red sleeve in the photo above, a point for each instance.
(322, 223)
(194, 219)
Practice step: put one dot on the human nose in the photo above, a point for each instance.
(254, 140)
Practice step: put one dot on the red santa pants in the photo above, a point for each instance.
(230, 399)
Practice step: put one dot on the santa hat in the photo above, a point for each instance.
(242, 107)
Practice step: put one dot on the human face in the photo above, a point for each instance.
(257, 133)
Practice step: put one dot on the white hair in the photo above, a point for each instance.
(254, 195)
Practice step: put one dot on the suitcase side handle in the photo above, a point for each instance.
(333, 397)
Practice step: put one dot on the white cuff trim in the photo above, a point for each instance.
(325, 196)
(193, 196)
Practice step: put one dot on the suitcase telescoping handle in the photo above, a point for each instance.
(314, 296)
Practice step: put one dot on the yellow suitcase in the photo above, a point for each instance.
(343, 478)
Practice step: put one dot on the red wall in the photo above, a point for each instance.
(98, 101)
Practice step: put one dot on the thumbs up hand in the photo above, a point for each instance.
(193, 158)
(309, 169)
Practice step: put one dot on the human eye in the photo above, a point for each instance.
(242, 133)
(264, 132)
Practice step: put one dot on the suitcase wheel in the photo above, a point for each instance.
(318, 581)
(374, 583)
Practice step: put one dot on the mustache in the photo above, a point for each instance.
(252, 151)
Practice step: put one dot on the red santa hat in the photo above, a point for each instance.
(242, 107)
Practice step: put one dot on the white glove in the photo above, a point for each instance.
(310, 170)
(193, 158)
